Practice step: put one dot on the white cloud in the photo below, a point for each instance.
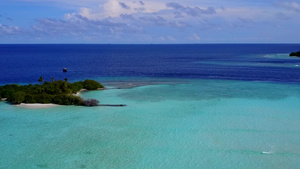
(244, 12)
(157, 20)
(5, 29)
(195, 37)
(85, 12)
(116, 8)
(140, 13)
(291, 5)
(64, 3)
(191, 11)
(171, 38)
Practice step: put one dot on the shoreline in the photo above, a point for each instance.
(85, 90)
(77, 93)
(36, 105)
(48, 105)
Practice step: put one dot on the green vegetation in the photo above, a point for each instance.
(41, 79)
(58, 92)
(91, 85)
(297, 54)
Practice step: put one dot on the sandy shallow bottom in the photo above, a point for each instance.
(200, 124)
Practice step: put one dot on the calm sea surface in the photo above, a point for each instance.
(26, 63)
(188, 106)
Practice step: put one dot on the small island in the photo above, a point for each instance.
(56, 92)
(295, 54)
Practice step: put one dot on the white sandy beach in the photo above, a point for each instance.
(84, 90)
(77, 94)
(36, 105)
(41, 105)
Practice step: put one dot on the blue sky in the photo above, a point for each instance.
(149, 21)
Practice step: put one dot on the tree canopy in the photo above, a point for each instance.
(58, 92)
(91, 84)
(295, 54)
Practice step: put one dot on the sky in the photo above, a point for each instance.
(149, 21)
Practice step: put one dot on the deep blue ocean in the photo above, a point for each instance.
(247, 62)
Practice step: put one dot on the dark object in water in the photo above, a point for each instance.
(65, 69)
(296, 54)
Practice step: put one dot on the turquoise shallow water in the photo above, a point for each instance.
(167, 124)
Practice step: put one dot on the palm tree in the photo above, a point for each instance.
(52, 79)
(41, 79)
(66, 79)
